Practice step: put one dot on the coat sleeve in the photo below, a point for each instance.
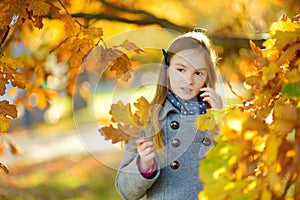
(129, 181)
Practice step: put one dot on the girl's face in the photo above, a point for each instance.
(187, 73)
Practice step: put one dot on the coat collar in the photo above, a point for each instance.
(167, 107)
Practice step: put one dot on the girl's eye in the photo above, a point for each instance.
(180, 69)
(199, 73)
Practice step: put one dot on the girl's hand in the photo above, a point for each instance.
(146, 151)
(211, 97)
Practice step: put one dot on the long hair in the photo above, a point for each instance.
(190, 40)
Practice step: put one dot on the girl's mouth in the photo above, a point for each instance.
(186, 90)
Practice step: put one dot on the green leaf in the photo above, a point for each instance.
(291, 90)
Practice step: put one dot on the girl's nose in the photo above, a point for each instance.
(189, 79)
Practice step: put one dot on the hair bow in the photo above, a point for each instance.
(166, 60)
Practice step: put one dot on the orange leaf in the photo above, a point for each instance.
(39, 8)
(8, 109)
(256, 50)
(253, 80)
(121, 64)
(93, 32)
(38, 22)
(3, 83)
(115, 135)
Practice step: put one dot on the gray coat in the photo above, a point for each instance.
(177, 174)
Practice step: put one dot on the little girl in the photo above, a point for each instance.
(167, 165)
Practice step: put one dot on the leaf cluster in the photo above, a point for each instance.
(30, 71)
(258, 153)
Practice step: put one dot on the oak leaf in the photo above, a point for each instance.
(38, 7)
(8, 109)
(121, 64)
(129, 125)
(130, 46)
(115, 134)
(143, 111)
(92, 33)
(4, 124)
(122, 114)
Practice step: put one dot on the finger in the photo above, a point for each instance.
(144, 145)
(206, 89)
(205, 94)
(148, 157)
(146, 152)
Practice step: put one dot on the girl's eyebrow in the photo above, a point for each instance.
(198, 69)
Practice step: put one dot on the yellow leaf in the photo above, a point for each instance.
(4, 124)
(290, 54)
(122, 114)
(142, 113)
(205, 122)
(269, 73)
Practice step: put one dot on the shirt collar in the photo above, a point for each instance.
(168, 107)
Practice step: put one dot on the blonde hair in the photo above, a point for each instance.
(190, 40)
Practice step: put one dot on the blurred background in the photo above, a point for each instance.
(53, 148)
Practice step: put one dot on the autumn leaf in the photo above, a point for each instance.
(71, 28)
(253, 80)
(130, 46)
(122, 114)
(289, 54)
(143, 111)
(121, 64)
(38, 7)
(115, 134)
(10, 73)
(269, 73)
(255, 49)
(3, 83)
(206, 121)
(4, 124)
(7, 109)
(92, 33)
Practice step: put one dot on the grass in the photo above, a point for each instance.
(69, 178)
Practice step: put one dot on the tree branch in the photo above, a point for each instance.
(229, 43)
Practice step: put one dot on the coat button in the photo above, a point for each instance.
(206, 141)
(174, 125)
(174, 165)
(175, 142)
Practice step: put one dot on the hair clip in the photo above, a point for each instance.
(199, 30)
(166, 60)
